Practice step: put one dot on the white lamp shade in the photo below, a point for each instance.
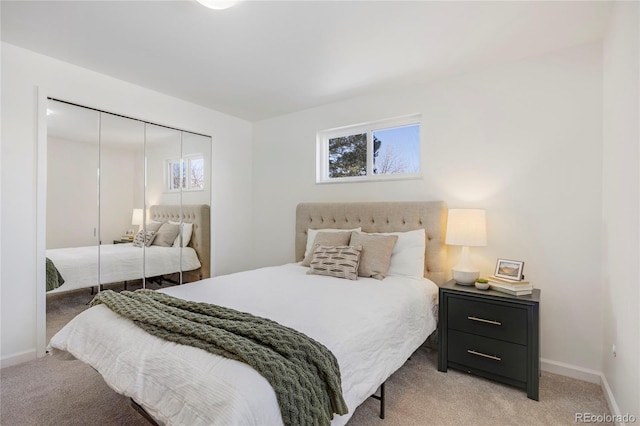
(218, 4)
(136, 218)
(467, 227)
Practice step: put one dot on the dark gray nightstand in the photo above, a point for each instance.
(490, 334)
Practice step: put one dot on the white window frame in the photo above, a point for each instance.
(168, 170)
(322, 149)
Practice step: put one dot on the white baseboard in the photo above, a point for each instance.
(608, 395)
(587, 375)
(18, 358)
(572, 371)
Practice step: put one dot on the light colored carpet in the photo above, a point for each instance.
(50, 391)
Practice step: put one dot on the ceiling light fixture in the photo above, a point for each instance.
(218, 4)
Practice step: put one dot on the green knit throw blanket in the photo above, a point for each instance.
(303, 373)
(54, 278)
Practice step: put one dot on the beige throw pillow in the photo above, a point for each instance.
(153, 225)
(311, 236)
(331, 239)
(166, 235)
(339, 262)
(375, 257)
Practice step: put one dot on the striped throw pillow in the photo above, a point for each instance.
(338, 261)
(144, 238)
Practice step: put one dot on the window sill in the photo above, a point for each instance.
(376, 178)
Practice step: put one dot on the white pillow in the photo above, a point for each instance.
(407, 257)
(187, 230)
(311, 236)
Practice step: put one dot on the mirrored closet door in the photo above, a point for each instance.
(127, 201)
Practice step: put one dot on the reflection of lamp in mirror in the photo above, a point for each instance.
(136, 218)
(466, 228)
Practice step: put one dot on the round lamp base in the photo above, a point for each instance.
(465, 277)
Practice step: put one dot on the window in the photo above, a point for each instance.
(388, 149)
(186, 173)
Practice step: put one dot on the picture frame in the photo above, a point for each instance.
(509, 269)
(129, 233)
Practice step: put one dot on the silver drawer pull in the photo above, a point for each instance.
(484, 355)
(484, 320)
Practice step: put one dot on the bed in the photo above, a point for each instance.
(79, 266)
(372, 326)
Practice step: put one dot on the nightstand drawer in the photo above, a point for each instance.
(493, 356)
(488, 319)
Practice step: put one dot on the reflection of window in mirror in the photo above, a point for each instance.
(196, 173)
(186, 173)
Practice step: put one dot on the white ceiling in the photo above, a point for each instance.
(261, 59)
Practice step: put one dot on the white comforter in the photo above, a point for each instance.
(371, 326)
(118, 262)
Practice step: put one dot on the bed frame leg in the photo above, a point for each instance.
(381, 399)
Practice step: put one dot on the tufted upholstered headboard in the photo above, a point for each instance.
(381, 217)
(199, 215)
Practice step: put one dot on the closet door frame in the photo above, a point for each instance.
(41, 224)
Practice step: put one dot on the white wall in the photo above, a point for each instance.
(522, 140)
(22, 72)
(621, 207)
(72, 195)
(118, 181)
(72, 192)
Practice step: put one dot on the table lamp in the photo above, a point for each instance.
(136, 218)
(466, 228)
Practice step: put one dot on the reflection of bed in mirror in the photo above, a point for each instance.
(79, 266)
